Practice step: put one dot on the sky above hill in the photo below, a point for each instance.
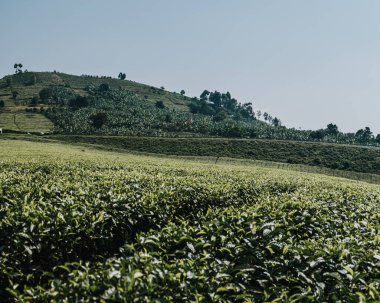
(308, 62)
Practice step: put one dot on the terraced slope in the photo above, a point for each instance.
(13, 116)
(29, 84)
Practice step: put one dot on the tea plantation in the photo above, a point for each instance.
(80, 225)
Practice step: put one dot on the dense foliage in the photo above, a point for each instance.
(127, 114)
(214, 114)
(91, 232)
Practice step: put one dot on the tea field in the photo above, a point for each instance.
(84, 225)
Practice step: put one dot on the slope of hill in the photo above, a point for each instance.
(29, 84)
(13, 116)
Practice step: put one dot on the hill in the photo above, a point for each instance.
(29, 84)
(25, 86)
(102, 105)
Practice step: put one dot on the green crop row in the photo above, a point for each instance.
(75, 232)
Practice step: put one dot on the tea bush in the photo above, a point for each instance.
(98, 232)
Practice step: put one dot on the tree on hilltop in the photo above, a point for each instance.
(377, 139)
(276, 122)
(122, 76)
(204, 95)
(18, 68)
(332, 129)
(364, 135)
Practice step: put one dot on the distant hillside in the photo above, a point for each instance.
(19, 114)
(83, 105)
(29, 84)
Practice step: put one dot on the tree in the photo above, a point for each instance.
(2, 104)
(99, 119)
(317, 134)
(79, 102)
(17, 67)
(364, 135)
(204, 95)
(104, 87)
(259, 114)
(247, 111)
(367, 132)
(377, 139)
(122, 76)
(332, 129)
(220, 116)
(276, 122)
(34, 101)
(162, 88)
(265, 115)
(231, 104)
(216, 98)
(45, 94)
(182, 92)
(160, 104)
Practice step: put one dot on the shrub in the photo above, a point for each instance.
(99, 119)
(160, 104)
(79, 102)
(220, 116)
(104, 87)
(34, 101)
(45, 94)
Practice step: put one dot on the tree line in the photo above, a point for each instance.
(223, 105)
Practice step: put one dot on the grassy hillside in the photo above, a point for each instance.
(29, 84)
(83, 225)
(14, 117)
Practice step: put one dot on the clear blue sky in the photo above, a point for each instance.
(308, 62)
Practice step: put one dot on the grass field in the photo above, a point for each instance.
(81, 224)
(331, 156)
(97, 144)
(19, 120)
